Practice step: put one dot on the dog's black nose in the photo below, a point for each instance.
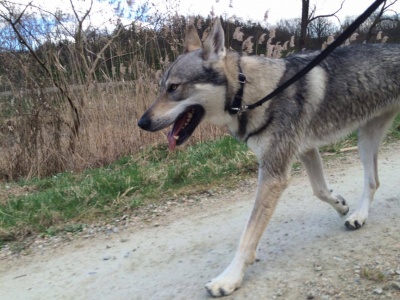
(144, 122)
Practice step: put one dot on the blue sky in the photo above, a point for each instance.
(246, 9)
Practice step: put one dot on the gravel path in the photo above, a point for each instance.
(306, 252)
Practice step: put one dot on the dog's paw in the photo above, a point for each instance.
(223, 285)
(340, 205)
(355, 221)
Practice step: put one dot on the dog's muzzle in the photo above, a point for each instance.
(145, 122)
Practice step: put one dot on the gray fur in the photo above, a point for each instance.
(356, 87)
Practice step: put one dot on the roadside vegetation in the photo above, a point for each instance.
(153, 175)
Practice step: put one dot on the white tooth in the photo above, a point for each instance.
(190, 115)
(176, 137)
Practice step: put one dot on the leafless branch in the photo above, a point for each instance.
(21, 38)
(311, 18)
(378, 19)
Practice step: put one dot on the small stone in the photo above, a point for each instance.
(398, 272)
(337, 258)
(107, 257)
(156, 224)
(310, 295)
(124, 240)
(317, 267)
(396, 285)
(378, 291)
(115, 230)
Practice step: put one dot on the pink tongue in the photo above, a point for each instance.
(171, 141)
(175, 131)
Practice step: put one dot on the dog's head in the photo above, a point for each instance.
(192, 89)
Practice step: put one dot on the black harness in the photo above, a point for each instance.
(238, 108)
(237, 101)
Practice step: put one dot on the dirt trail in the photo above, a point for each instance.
(306, 252)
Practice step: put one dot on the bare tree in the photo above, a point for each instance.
(286, 28)
(320, 29)
(380, 18)
(51, 49)
(309, 15)
(15, 19)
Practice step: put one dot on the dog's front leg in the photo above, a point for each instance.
(269, 190)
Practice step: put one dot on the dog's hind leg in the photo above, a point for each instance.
(268, 192)
(369, 139)
(313, 164)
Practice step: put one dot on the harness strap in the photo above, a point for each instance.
(237, 101)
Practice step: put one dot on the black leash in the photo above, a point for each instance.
(237, 107)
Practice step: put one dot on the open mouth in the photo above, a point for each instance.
(184, 125)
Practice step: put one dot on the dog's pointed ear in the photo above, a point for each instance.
(192, 39)
(214, 45)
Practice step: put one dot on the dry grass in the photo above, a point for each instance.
(107, 132)
(110, 129)
(82, 123)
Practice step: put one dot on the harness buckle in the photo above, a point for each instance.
(242, 78)
(240, 110)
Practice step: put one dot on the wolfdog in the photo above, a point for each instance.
(356, 87)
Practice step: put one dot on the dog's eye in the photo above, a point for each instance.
(172, 87)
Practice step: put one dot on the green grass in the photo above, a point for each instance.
(373, 274)
(152, 175)
(67, 201)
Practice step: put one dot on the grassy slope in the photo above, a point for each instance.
(154, 174)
